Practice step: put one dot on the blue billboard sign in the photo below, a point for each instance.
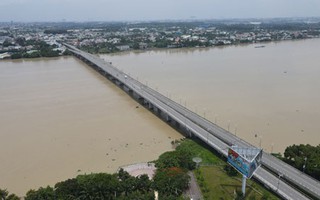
(239, 160)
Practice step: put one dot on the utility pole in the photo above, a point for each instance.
(279, 177)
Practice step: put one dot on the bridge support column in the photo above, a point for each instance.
(177, 124)
(150, 106)
(188, 132)
(155, 109)
(117, 82)
(168, 118)
(145, 102)
(141, 99)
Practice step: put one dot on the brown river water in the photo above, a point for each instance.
(268, 96)
(59, 118)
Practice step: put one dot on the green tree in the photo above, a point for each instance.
(129, 185)
(6, 43)
(67, 52)
(136, 195)
(21, 41)
(304, 157)
(16, 56)
(3, 194)
(69, 189)
(13, 197)
(171, 181)
(99, 186)
(123, 175)
(181, 157)
(168, 159)
(143, 184)
(135, 45)
(41, 194)
(185, 158)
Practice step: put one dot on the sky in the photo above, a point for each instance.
(144, 10)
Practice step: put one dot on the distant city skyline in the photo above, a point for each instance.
(142, 10)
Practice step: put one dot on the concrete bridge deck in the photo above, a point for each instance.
(275, 174)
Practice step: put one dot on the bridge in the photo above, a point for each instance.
(288, 182)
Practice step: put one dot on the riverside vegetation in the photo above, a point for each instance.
(216, 179)
(170, 180)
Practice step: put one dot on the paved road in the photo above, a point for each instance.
(194, 191)
(214, 135)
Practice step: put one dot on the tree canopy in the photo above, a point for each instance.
(97, 186)
(181, 157)
(300, 155)
(171, 181)
(4, 195)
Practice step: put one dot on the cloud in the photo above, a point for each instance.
(12, 2)
(108, 10)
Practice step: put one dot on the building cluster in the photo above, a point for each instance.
(108, 38)
(176, 37)
(18, 39)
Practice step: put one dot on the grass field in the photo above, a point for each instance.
(199, 150)
(221, 186)
(214, 181)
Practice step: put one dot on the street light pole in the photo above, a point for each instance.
(260, 138)
(185, 122)
(279, 177)
(208, 131)
(260, 141)
(304, 165)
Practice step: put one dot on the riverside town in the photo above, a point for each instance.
(31, 40)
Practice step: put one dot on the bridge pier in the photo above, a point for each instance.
(188, 133)
(126, 88)
(119, 83)
(145, 102)
(168, 118)
(150, 106)
(111, 78)
(156, 110)
(141, 99)
(177, 124)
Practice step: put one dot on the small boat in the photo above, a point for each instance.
(261, 46)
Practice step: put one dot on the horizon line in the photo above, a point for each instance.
(162, 20)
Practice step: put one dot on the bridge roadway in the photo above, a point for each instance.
(212, 134)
